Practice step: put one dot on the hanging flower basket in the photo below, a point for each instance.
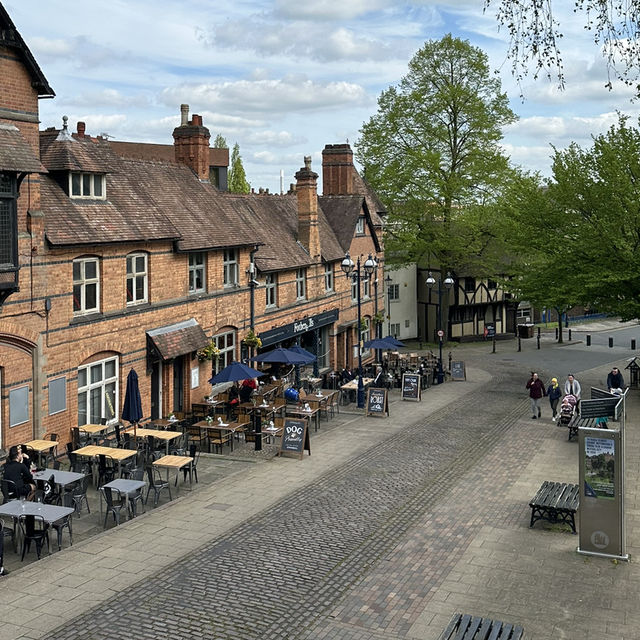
(378, 318)
(208, 353)
(252, 340)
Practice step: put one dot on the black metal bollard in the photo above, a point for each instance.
(257, 430)
(610, 342)
(538, 341)
(633, 344)
(519, 344)
(538, 332)
(556, 333)
(569, 335)
(494, 345)
(588, 340)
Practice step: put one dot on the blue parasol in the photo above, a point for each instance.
(378, 343)
(394, 342)
(132, 407)
(283, 356)
(234, 372)
(304, 353)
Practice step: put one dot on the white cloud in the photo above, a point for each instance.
(107, 97)
(274, 138)
(327, 9)
(290, 94)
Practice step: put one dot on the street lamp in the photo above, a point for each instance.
(388, 280)
(354, 271)
(448, 283)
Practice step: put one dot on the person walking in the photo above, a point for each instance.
(615, 380)
(572, 387)
(553, 393)
(536, 391)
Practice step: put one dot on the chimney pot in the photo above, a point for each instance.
(196, 120)
(81, 129)
(184, 115)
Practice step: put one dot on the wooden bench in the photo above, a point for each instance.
(466, 627)
(577, 422)
(555, 502)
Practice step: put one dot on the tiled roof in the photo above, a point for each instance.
(16, 154)
(88, 154)
(163, 152)
(178, 339)
(376, 208)
(342, 213)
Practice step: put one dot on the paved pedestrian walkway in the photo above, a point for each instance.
(389, 527)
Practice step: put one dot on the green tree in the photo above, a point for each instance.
(237, 178)
(535, 32)
(575, 239)
(431, 152)
(220, 142)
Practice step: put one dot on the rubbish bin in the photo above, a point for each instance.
(525, 330)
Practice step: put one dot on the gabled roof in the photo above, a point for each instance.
(16, 154)
(9, 37)
(343, 212)
(65, 153)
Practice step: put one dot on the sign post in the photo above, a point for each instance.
(295, 438)
(411, 387)
(377, 402)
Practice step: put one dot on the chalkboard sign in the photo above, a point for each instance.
(457, 370)
(411, 387)
(377, 402)
(295, 438)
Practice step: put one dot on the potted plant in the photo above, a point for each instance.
(252, 340)
(208, 353)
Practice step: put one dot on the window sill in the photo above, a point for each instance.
(87, 317)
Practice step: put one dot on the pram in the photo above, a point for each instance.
(567, 409)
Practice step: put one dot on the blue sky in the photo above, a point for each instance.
(283, 77)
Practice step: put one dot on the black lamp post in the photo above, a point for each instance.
(348, 267)
(388, 280)
(448, 283)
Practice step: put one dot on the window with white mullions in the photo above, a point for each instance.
(230, 267)
(196, 272)
(98, 391)
(86, 286)
(270, 290)
(328, 278)
(301, 284)
(137, 278)
(87, 185)
(226, 342)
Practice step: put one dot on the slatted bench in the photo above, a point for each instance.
(466, 627)
(555, 502)
(577, 422)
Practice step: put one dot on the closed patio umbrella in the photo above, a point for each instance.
(132, 407)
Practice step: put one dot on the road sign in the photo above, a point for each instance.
(440, 333)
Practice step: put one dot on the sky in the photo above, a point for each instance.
(283, 78)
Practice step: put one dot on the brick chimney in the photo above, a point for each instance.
(191, 143)
(307, 196)
(81, 129)
(337, 170)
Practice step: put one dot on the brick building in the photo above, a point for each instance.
(116, 256)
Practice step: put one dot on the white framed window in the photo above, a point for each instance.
(270, 290)
(393, 291)
(226, 342)
(86, 286)
(196, 272)
(354, 288)
(366, 287)
(230, 267)
(328, 278)
(301, 284)
(137, 278)
(98, 391)
(395, 329)
(87, 185)
(360, 226)
(365, 334)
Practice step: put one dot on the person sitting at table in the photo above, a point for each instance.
(247, 389)
(346, 375)
(17, 472)
(380, 381)
(26, 460)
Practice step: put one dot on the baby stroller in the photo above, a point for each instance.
(567, 409)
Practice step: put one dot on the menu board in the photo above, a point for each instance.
(295, 438)
(377, 402)
(457, 370)
(411, 387)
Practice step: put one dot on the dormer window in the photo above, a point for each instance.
(360, 226)
(87, 185)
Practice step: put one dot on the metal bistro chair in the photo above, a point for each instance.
(156, 483)
(138, 495)
(79, 495)
(193, 469)
(9, 490)
(114, 501)
(106, 469)
(34, 529)
(9, 532)
(59, 525)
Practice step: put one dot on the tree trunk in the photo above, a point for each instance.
(559, 325)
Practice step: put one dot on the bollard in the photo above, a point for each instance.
(633, 344)
(538, 341)
(610, 342)
(588, 340)
(257, 429)
(556, 333)
(519, 344)
(538, 332)
(569, 335)
(494, 345)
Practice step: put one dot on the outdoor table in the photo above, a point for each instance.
(165, 424)
(232, 426)
(303, 413)
(40, 447)
(125, 487)
(167, 436)
(60, 477)
(351, 387)
(175, 462)
(93, 431)
(92, 451)
(50, 512)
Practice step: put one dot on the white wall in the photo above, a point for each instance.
(405, 310)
